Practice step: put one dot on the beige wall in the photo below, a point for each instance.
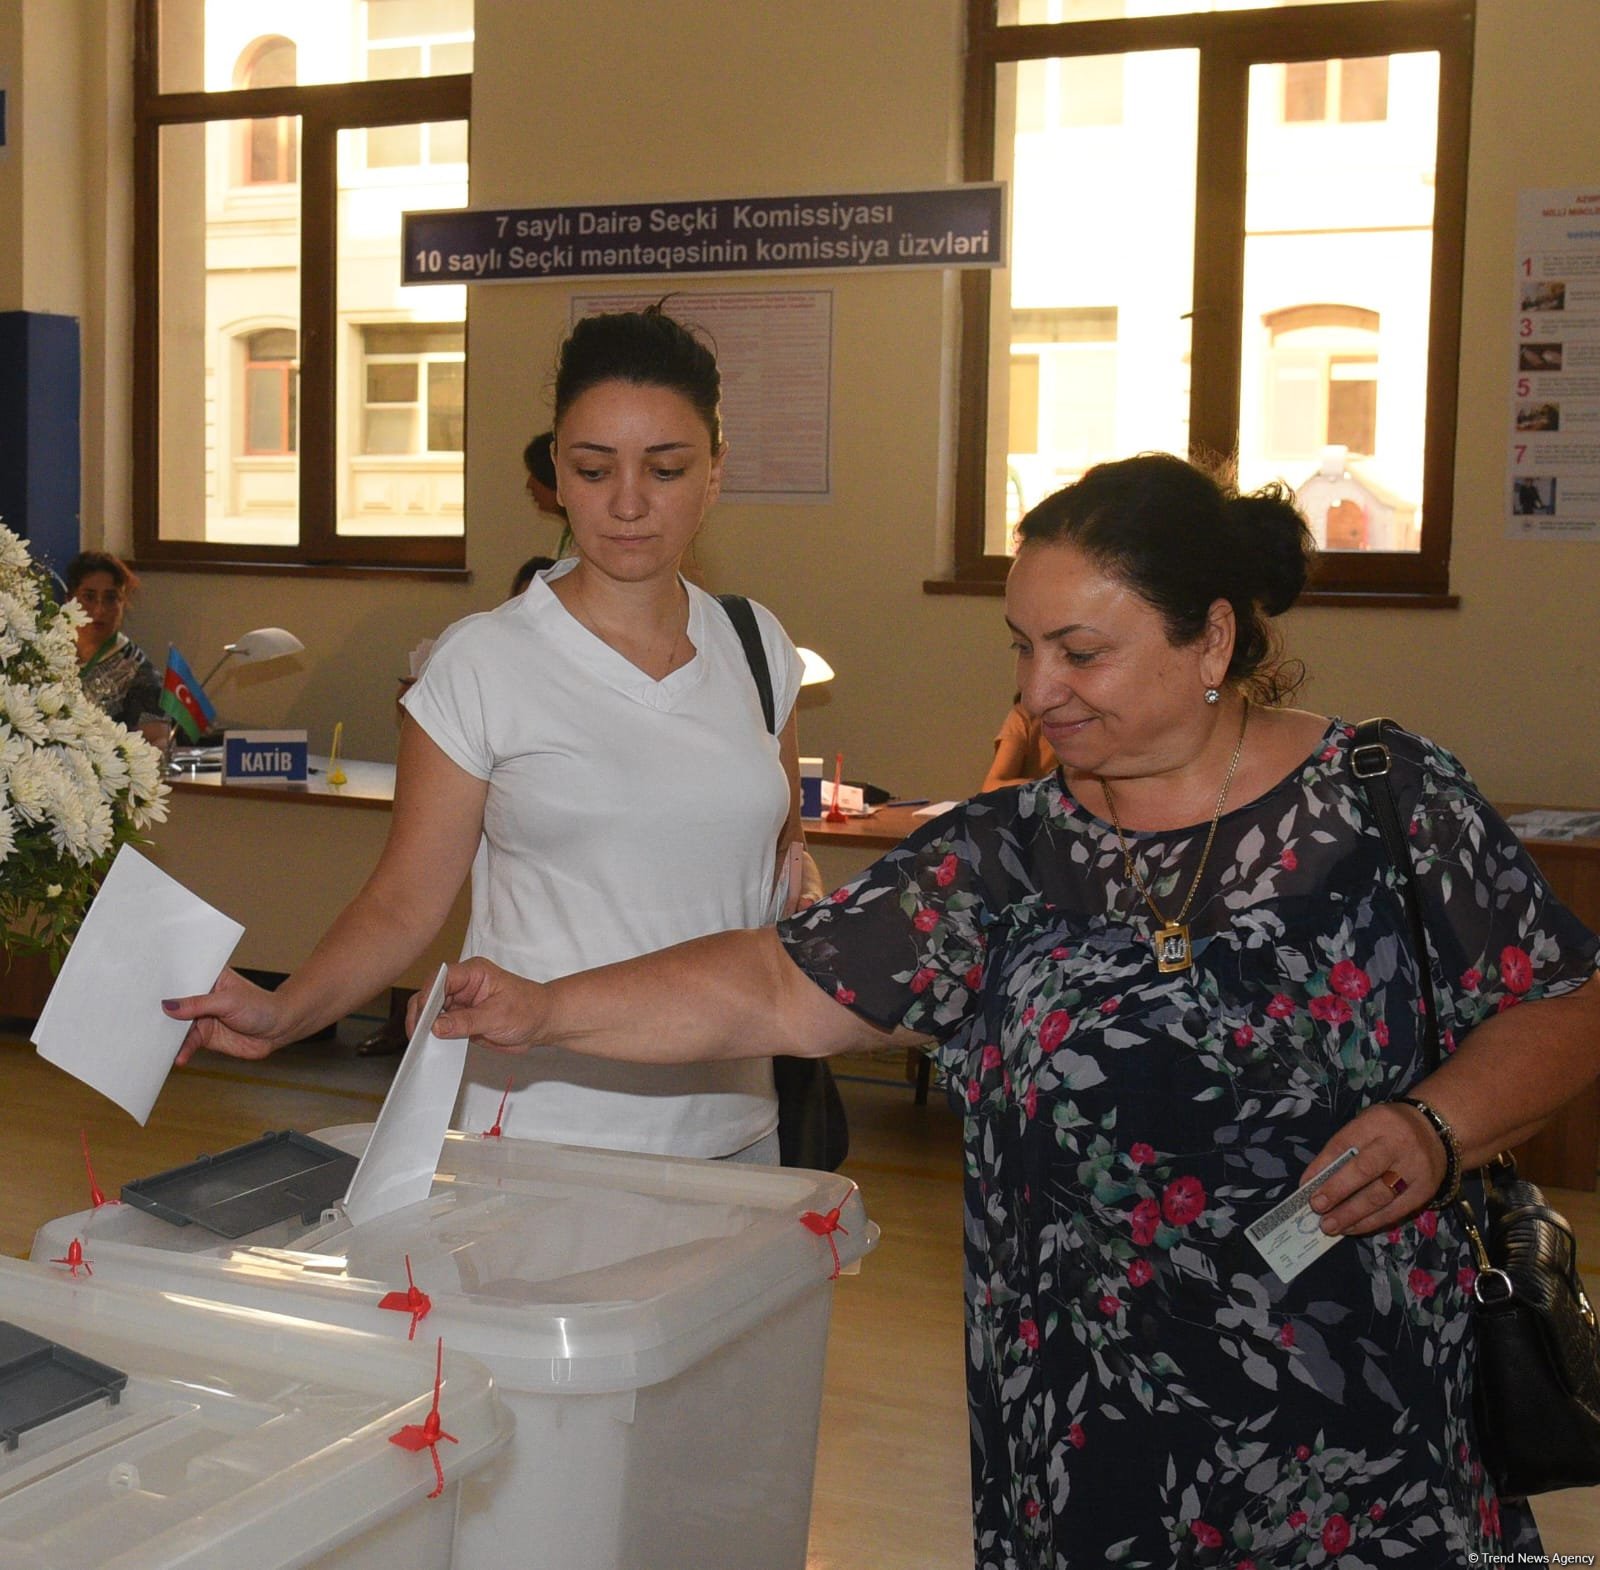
(10, 157)
(629, 99)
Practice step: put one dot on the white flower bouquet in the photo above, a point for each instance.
(74, 784)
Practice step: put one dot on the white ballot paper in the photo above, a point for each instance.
(403, 1152)
(1290, 1235)
(145, 938)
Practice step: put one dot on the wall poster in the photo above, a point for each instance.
(775, 351)
(1553, 476)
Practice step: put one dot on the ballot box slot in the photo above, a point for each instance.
(279, 1177)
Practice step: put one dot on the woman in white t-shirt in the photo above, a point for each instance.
(595, 752)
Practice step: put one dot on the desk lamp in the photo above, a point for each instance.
(816, 670)
(264, 643)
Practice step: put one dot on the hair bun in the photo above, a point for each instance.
(1276, 546)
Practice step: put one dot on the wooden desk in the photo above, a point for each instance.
(285, 859)
(882, 831)
(1567, 1150)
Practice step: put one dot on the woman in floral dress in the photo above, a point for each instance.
(1170, 984)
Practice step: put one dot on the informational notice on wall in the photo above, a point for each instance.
(1553, 478)
(946, 226)
(775, 351)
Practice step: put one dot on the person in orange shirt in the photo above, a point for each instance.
(1021, 754)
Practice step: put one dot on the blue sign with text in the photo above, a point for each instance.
(264, 757)
(949, 226)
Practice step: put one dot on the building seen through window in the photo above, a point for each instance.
(1226, 241)
(337, 436)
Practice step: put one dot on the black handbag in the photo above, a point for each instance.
(812, 1128)
(1536, 1399)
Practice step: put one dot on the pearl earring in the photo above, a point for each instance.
(1212, 695)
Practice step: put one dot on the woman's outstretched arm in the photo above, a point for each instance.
(730, 995)
(438, 819)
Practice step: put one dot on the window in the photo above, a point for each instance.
(269, 147)
(1338, 90)
(407, 40)
(270, 393)
(1290, 296)
(293, 403)
(414, 387)
(1322, 382)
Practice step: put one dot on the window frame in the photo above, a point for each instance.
(421, 361)
(323, 110)
(1228, 44)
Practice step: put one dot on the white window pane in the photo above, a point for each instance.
(447, 386)
(1338, 278)
(228, 473)
(395, 475)
(390, 431)
(1100, 282)
(394, 146)
(206, 45)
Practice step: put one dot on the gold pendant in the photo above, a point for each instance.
(1172, 947)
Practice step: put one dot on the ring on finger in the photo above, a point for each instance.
(1392, 1181)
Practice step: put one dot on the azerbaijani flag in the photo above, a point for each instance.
(184, 698)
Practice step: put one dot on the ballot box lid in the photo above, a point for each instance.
(163, 1432)
(561, 1268)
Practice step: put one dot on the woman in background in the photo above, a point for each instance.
(597, 743)
(117, 675)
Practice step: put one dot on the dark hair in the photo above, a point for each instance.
(1182, 540)
(647, 348)
(87, 563)
(537, 461)
(525, 573)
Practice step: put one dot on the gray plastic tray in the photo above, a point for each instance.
(40, 1380)
(278, 1177)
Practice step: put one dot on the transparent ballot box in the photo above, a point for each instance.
(656, 1325)
(142, 1430)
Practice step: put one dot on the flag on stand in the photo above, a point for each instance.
(184, 698)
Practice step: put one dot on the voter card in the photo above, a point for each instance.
(1290, 1235)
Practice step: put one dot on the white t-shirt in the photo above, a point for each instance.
(623, 815)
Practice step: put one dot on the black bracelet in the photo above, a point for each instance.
(1450, 1188)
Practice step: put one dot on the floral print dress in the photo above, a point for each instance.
(1143, 1389)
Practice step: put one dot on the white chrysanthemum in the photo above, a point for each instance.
(8, 834)
(29, 782)
(67, 812)
(52, 699)
(102, 829)
(64, 730)
(19, 613)
(13, 553)
(16, 613)
(80, 769)
(57, 648)
(19, 709)
(143, 765)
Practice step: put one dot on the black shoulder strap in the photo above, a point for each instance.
(744, 623)
(1369, 763)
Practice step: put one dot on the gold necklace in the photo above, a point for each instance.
(1171, 938)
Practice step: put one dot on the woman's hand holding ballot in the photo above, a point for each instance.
(490, 1005)
(236, 1018)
